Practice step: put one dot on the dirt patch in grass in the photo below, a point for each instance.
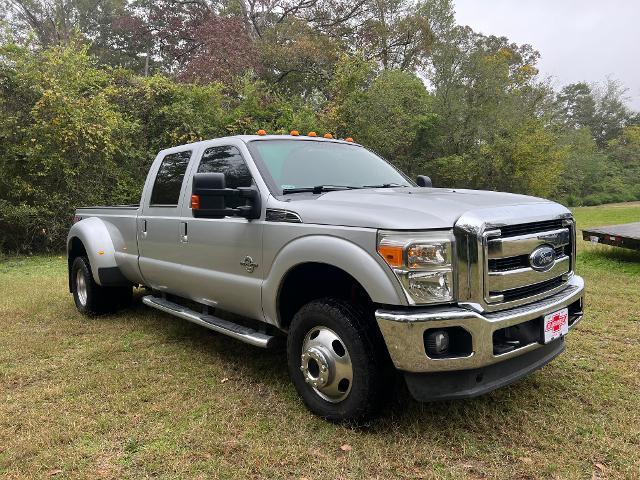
(139, 394)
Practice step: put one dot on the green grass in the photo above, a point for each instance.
(140, 394)
(607, 214)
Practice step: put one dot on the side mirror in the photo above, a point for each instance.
(209, 194)
(424, 181)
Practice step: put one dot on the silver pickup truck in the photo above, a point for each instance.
(364, 273)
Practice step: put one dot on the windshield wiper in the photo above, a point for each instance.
(317, 189)
(385, 185)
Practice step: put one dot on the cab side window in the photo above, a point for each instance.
(228, 160)
(168, 183)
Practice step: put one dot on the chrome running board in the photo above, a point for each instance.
(234, 330)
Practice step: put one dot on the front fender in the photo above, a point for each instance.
(375, 278)
(98, 240)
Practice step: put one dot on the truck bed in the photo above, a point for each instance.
(114, 233)
(110, 211)
(626, 235)
(131, 206)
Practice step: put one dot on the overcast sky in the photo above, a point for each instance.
(578, 40)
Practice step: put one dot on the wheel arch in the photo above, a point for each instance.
(92, 238)
(75, 249)
(318, 266)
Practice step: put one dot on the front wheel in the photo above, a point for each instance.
(337, 361)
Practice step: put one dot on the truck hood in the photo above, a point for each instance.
(401, 208)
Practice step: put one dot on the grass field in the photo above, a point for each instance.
(140, 394)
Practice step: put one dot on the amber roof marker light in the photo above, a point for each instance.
(295, 133)
(348, 139)
(261, 132)
(312, 134)
(328, 135)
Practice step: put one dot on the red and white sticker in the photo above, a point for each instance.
(556, 325)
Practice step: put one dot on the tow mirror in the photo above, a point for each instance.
(424, 181)
(209, 195)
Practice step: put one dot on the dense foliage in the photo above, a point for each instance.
(90, 91)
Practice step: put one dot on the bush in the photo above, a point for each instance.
(64, 143)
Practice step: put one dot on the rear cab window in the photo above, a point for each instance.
(169, 179)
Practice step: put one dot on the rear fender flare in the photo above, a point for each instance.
(100, 239)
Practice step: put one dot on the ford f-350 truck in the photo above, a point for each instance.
(364, 272)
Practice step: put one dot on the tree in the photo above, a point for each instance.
(62, 140)
(189, 40)
(387, 112)
(392, 112)
(624, 153)
(576, 106)
(612, 113)
(586, 167)
(397, 34)
(59, 22)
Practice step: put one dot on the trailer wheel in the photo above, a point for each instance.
(91, 298)
(337, 361)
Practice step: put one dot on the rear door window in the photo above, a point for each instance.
(168, 183)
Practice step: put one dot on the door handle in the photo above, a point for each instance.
(143, 234)
(184, 238)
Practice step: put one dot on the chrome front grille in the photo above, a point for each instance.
(521, 261)
(532, 227)
(493, 255)
(509, 275)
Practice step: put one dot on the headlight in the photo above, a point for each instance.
(422, 263)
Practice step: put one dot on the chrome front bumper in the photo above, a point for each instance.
(403, 330)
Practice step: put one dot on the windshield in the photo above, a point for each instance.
(300, 164)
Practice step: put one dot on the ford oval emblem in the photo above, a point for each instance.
(542, 258)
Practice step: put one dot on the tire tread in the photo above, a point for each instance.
(377, 363)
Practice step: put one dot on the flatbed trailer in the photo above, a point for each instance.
(626, 235)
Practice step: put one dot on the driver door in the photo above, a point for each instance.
(222, 257)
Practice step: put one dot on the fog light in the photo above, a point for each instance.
(437, 343)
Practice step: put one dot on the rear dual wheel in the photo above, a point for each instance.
(337, 361)
(91, 298)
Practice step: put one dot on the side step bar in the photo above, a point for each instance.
(239, 332)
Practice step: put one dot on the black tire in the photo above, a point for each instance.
(96, 299)
(371, 367)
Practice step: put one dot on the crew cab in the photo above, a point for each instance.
(364, 273)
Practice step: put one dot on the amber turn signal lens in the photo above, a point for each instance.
(295, 133)
(312, 134)
(392, 254)
(348, 139)
(261, 132)
(195, 202)
(328, 135)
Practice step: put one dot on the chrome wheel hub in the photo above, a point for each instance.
(81, 287)
(326, 365)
